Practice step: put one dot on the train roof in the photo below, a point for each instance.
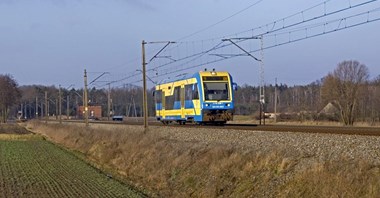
(200, 73)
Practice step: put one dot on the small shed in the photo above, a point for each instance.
(329, 109)
(93, 111)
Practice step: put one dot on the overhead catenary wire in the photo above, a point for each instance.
(173, 70)
(134, 60)
(219, 22)
(324, 14)
(269, 28)
(200, 54)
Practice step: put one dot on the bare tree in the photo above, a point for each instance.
(343, 87)
(9, 95)
(375, 100)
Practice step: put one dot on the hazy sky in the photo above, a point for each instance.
(51, 42)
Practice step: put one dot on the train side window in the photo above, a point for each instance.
(158, 96)
(195, 92)
(169, 102)
(177, 93)
(189, 92)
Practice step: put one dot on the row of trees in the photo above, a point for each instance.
(9, 95)
(124, 101)
(347, 88)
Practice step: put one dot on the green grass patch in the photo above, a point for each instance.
(36, 168)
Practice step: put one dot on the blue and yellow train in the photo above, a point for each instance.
(206, 97)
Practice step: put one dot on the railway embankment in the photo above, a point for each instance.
(205, 162)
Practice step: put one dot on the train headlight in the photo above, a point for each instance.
(213, 73)
(207, 105)
(228, 104)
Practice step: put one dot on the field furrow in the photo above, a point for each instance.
(37, 168)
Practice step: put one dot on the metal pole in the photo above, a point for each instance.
(85, 99)
(145, 101)
(262, 84)
(46, 108)
(60, 105)
(36, 111)
(260, 112)
(24, 115)
(261, 88)
(77, 106)
(42, 109)
(275, 101)
(109, 101)
(56, 108)
(67, 107)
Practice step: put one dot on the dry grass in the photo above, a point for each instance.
(339, 179)
(12, 129)
(15, 132)
(18, 137)
(193, 169)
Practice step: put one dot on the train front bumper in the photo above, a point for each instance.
(220, 115)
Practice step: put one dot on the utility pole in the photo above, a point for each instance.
(36, 107)
(145, 100)
(42, 109)
(67, 102)
(275, 101)
(25, 114)
(46, 108)
(60, 105)
(262, 83)
(56, 108)
(67, 107)
(77, 106)
(85, 99)
(109, 101)
(262, 96)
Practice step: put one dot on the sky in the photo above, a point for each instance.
(52, 42)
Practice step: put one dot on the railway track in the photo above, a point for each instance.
(371, 131)
(367, 131)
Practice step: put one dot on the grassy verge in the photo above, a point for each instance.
(174, 168)
(12, 129)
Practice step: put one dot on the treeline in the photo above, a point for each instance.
(290, 99)
(123, 101)
(346, 94)
(306, 102)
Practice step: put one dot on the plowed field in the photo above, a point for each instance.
(33, 167)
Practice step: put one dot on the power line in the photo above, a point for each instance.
(194, 33)
(287, 42)
(273, 24)
(219, 22)
(202, 53)
(267, 30)
(265, 25)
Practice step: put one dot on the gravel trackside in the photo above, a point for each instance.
(320, 146)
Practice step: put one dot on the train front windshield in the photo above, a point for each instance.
(216, 91)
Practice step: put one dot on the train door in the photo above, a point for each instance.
(196, 101)
(182, 101)
(163, 104)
